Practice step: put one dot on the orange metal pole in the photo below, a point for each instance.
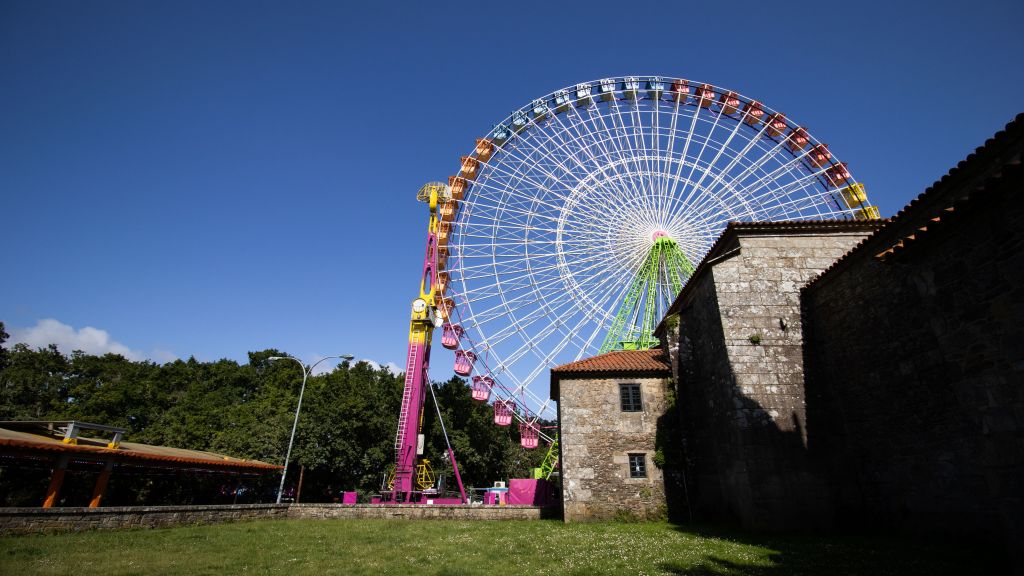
(56, 481)
(101, 484)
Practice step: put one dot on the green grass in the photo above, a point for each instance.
(379, 547)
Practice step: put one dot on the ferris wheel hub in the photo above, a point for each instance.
(659, 234)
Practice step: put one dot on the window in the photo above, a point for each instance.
(638, 466)
(629, 398)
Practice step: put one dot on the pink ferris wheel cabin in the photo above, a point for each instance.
(464, 362)
(450, 335)
(503, 412)
(529, 434)
(481, 388)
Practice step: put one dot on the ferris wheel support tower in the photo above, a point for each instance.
(659, 279)
(411, 479)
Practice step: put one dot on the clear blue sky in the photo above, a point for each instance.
(210, 178)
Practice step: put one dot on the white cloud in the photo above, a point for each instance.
(89, 340)
(328, 366)
(162, 356)
(390, 366)
(323, 367)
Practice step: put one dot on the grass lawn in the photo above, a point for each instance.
(379, 547)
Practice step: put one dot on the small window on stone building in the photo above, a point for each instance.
(629, 398)
(638, 466)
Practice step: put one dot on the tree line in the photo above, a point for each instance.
(345, 437)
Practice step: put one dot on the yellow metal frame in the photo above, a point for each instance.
(424, 475)
(420, 326)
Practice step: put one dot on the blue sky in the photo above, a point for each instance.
(209, 178)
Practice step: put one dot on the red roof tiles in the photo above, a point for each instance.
(619, 361)
(631, 362)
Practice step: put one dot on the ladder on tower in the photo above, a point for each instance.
(403, 415)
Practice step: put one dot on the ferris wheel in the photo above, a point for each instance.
(571, 227)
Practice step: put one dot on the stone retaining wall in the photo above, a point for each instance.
(441, 512)
(44, 520)
(40, 520)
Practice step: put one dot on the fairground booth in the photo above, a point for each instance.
(72, 463)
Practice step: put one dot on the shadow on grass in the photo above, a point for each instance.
(720, 567)
(838, 555)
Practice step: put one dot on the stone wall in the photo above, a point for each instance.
(741, 378)
(916, 371)
(440, 512)
(596, 439)
(37, 520)
(42, 520)
(702, 374)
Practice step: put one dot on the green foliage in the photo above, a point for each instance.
(3, 351)
(346, 431)
(485, 452)
(113, 390)
(33, 384)
(625, 516)
(670, 456)
(661, 514)
(659, 458)
(755, 339)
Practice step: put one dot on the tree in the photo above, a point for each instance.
(346, 432)
(3, 351)
(485, 452)
(113, 390)
(347, 428)
(33, 384)
(202, 397)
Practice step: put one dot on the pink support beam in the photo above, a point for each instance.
(417, 366)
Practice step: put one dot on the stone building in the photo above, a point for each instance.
(738, 361)
(608, 409)
(914, 351)
(885, 389)
(841, 374)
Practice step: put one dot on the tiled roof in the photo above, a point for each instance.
(140, 454)
(618, 361)
(999, 157)
(627, 362)
(734, 229)
(808, 226)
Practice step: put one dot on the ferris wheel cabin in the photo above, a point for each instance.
(680, 91)
(729, 103)
(481, 388)
(503, 412)
(464, 360)
(753, 112)
(450, 335)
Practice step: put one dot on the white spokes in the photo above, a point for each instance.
(560, 218)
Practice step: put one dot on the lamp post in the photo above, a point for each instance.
(295, 423)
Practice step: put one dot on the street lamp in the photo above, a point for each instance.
(295, 423)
